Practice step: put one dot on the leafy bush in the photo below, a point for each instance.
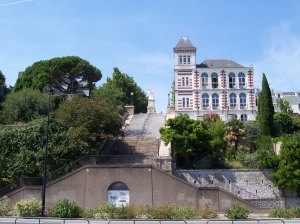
(126, 212)
(162, 211)
(182, 212)
(105, 210)
(280, 213)
(5, 206)
(208, 212)
(28, 208)
(296, 212)
(237, 211)
(144, 211)
(66, 209)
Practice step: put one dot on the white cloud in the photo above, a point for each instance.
(281, 59)
(14, 3)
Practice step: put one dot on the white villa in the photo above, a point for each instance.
(223, 87)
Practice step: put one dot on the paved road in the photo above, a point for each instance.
(56, 221)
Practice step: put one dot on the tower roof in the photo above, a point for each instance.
(184, 42)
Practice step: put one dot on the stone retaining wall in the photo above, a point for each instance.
(257, 182)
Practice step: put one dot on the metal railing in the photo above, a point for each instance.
(246, 220)
(42, 218)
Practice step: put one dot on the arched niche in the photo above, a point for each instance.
(118, 194)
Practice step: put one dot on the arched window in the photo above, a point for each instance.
(231, 80)
(183, 81)
(244, 117)
(187, 81)
(205, 101)
(188, 59)
(243, 100)
(183, 102)
(204, 80)
(214, 80)
(241, 80)
(215, 100)
(184, 59)
(180, 60)
(187, 102)
(118, 194)
(232, 100)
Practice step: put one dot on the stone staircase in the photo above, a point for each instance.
(140, 140)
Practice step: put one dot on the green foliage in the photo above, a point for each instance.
(126, 212)
(296, 123)
(295, 211)
(237, 211)
(163, 211)
(5, 206)
(2, 79)
(234, 133)
(91, 119)
(189, 137)
(65, 74)
(252, 133)
(284, 106)
(28, 208)
(183, 212)
(105, 210)
(208, 212)
(117, 91)
(22, 150)
(144, 210)
(280, 213)
(265, 108)
(66, 209)
(288, 171)
(25, 105)
(3, 119)
(285, 121)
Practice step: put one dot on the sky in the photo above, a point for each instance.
(138, 37)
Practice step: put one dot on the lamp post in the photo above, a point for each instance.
(157, 138)
(169, 98)
(45, 157)
(131, 98)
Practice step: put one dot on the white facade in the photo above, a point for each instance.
(292, 97)
(214, 86)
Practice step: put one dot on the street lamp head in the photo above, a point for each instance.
(131, 93)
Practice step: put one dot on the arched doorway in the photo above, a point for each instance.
(118, 194)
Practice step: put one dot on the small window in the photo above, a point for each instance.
(231, 80)
(244, 117)
(188, 59)
(298, 94)
(187, 102)
(187, 81)
(241, 80)
(183, 81)
(205, 101)
(204, 80)
(214, 80)
(299, 106)
(232, 98)
(184, 59)
(278, 95)
(180, 60)
(242, 100)
(183, 102)
(215, 100)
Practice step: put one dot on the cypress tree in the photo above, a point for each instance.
(265, 108)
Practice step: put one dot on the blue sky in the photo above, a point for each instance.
(138, 37)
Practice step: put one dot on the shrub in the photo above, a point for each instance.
(162, 211)
(182, 212)
(5, 206)
(237, 211)
(28, 208)
(126, 212)
(296, 212)
(66, 209)
(144, 211)
(106, 210)
(280, 213)
(208, 212)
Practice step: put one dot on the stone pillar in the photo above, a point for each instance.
(129, 110)
(171, 109)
